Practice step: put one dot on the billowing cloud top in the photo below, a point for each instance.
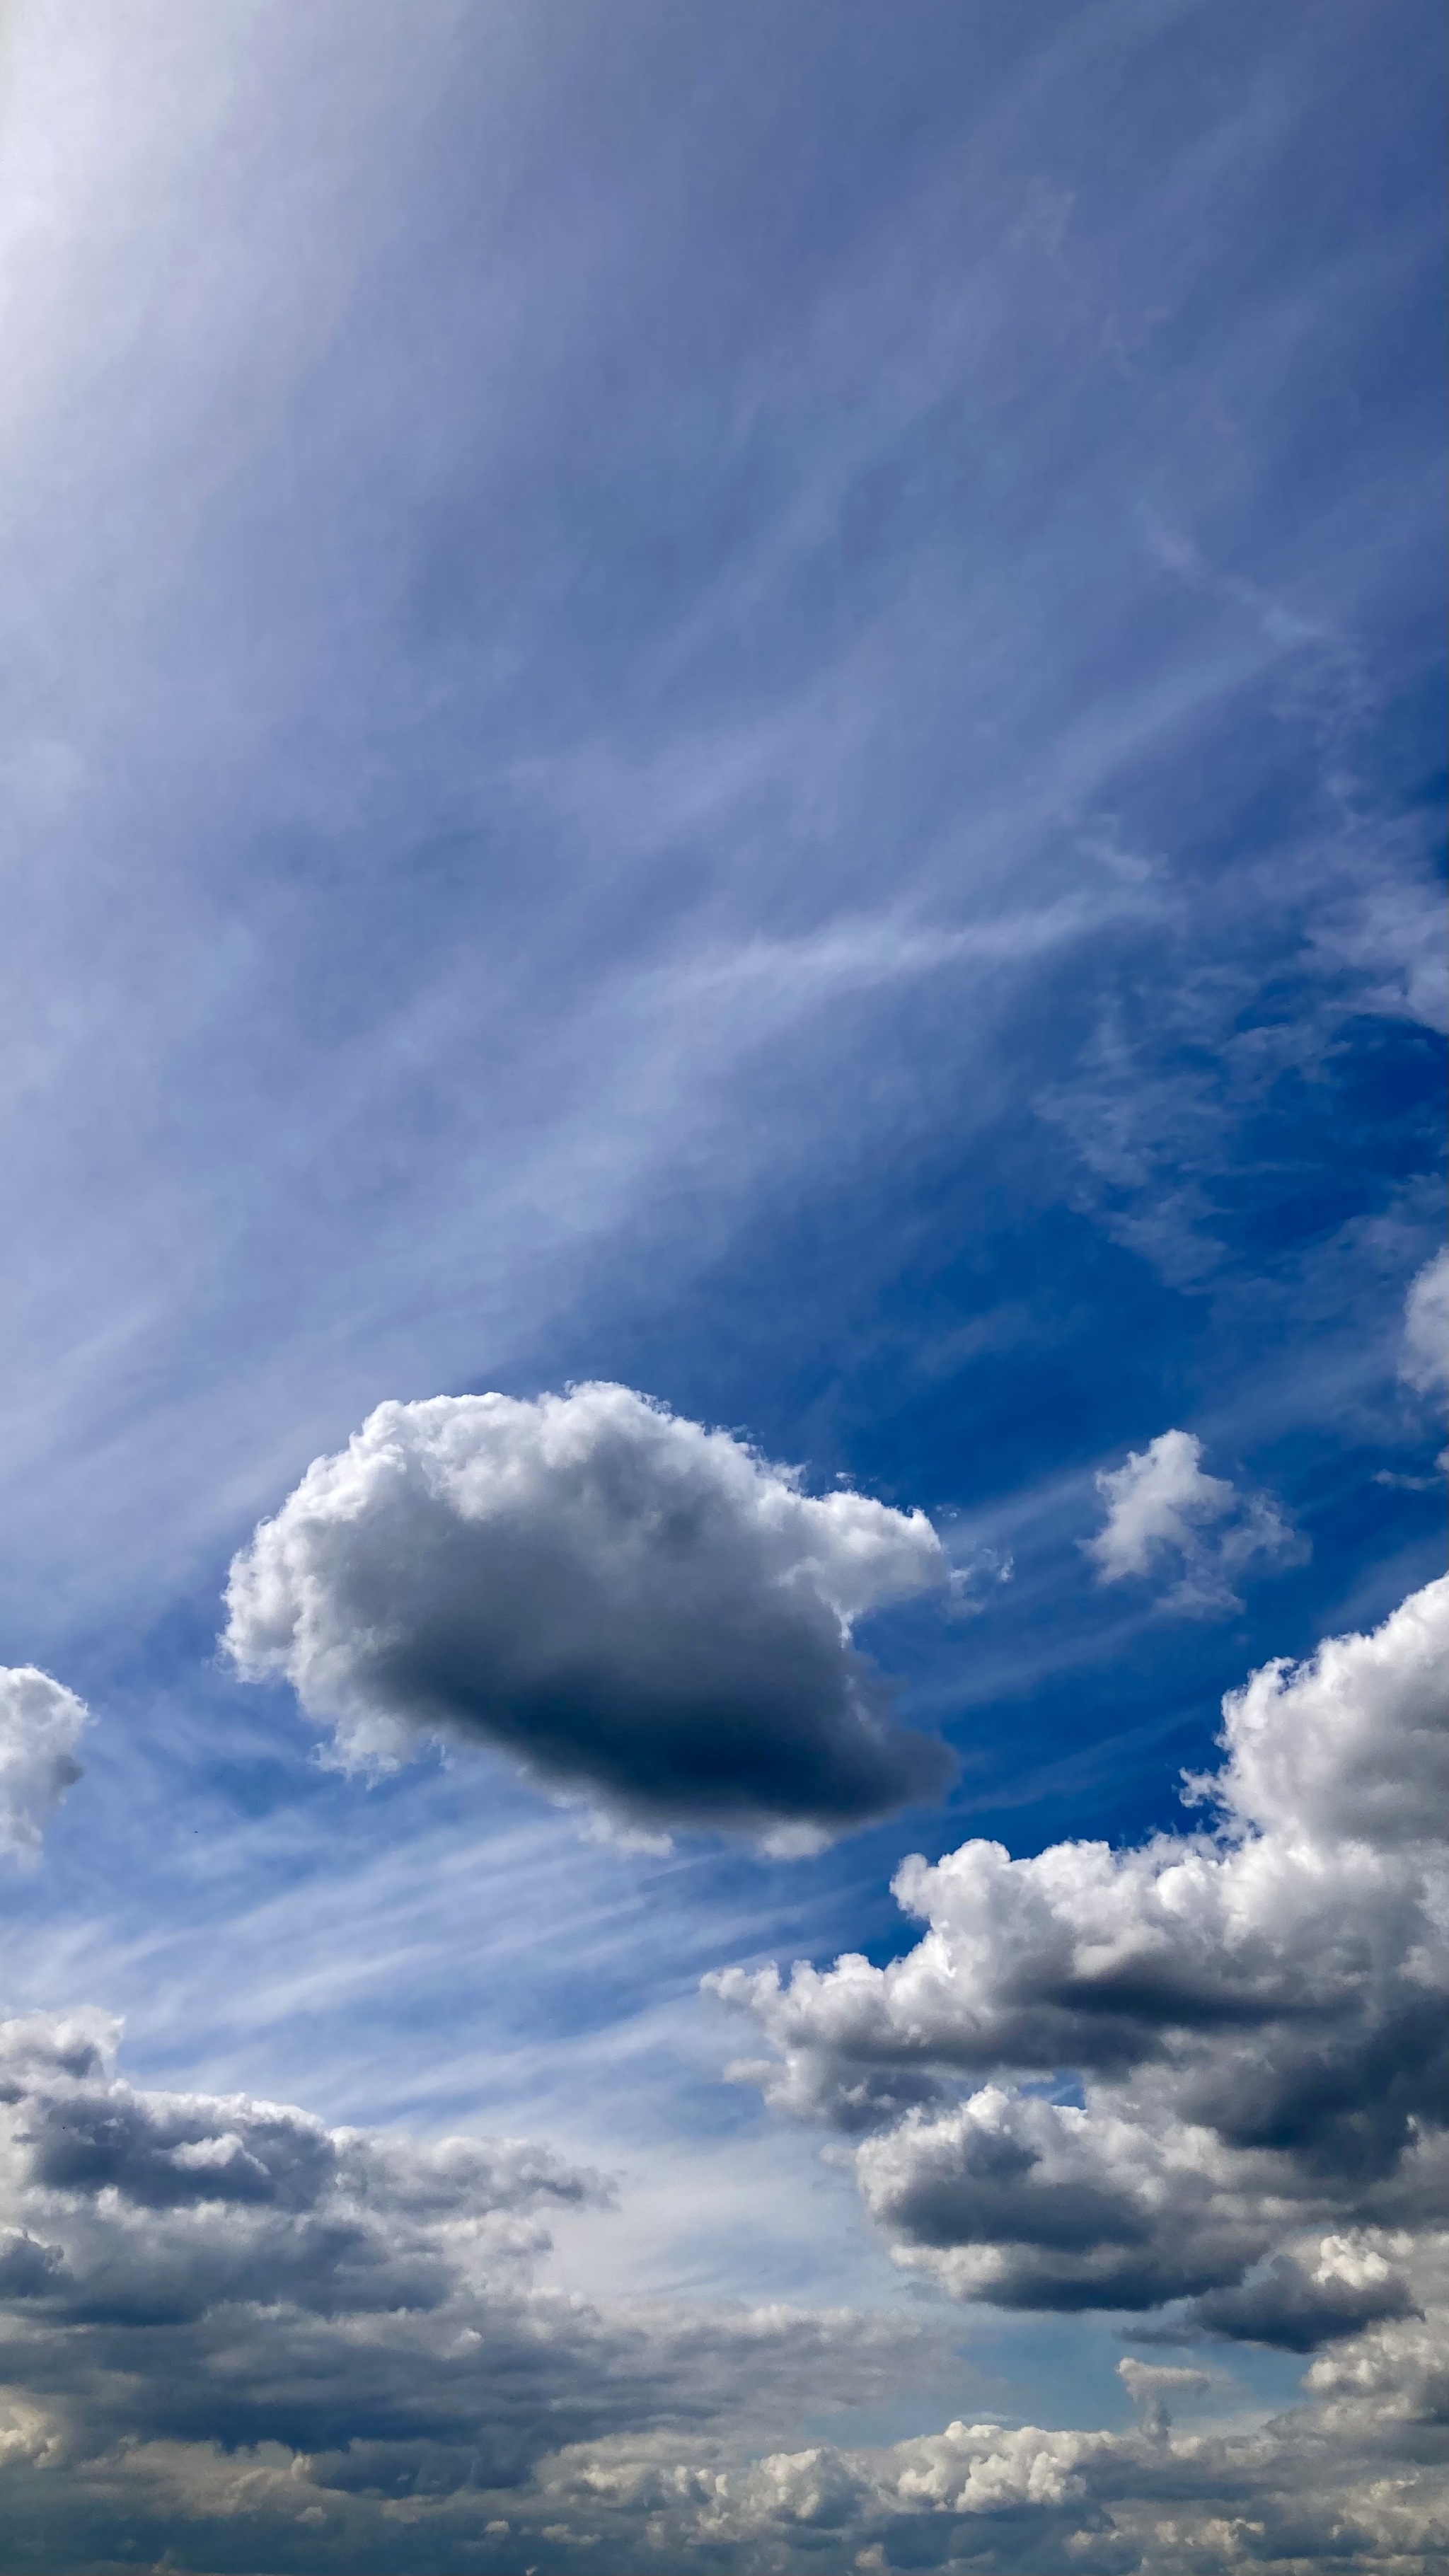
(40, 1726)
(632, 1608)
(1212, 2068)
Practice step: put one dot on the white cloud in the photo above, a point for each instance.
(40, 1726)
(1211, 2068)
(629, 1607)
(1424, 1363)
(1164, 1511)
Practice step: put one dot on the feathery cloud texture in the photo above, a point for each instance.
(629, 1607)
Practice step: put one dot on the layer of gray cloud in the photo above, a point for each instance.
(233, 2333)
(1166, 1514)
(185, 2277)
(1212, 2068)
(628, 1606)
(41, 1723)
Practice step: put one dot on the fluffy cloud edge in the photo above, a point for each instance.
(1205, 2070)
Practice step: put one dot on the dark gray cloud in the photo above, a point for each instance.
(1298, 2303)
(1213, 2068)
(629, 1607)
(186, 2278)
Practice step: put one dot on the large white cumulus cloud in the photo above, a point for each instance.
(1211, 2069)
(41, 1723)
(628, 1606)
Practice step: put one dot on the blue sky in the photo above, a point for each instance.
(748, 702)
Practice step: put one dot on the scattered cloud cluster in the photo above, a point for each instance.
(1200, 2082)
(1165, 1513)
(235, 2334)
(631, 1608)
(1211, 2070)
(41, 1723)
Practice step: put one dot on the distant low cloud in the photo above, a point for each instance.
(225, 2320)
(236, 2336)
(41, 1723)
(631, 1608)
(1212, 2069)
(1165, 1514)
(1424, 1363)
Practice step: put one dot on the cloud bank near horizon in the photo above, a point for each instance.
(243, 2330)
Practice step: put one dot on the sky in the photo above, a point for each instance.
(722, 1617)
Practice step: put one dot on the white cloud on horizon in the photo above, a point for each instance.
(1162, 1506)
(630, 1608)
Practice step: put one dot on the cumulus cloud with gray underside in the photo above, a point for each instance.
(1211, 2070)
(632, 1609)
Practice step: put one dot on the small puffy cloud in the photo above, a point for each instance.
(1424, 1362)
(1211, 2069)
(631, 1608)
(1165, 1513)
(40, 1726)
